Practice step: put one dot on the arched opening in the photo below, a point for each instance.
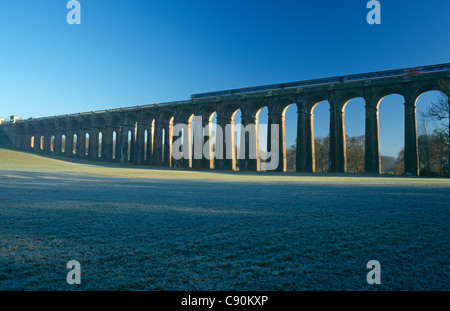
(281, 137)
(52, 143)
(128, 141)
(195, 162)
(73, 139)
(163, 149)
(189, 161)
(183, 140)
(20, 137)
(145, 144)
(354, 120)
(204, 132)
(151, 141)
(433, 123)
(290, 124)
(392, 128)
(63, 144)
(236, 122)
(40, 129)
(75, 144)
(62, 127)
(146, 128)
(114, 145)
(209, 140)
(321, 129)
(87, 139)
(100, 145)
(129, 145)
(262, 121)
(41, 143)
(249, 152)
(31, 134)
(98, 142)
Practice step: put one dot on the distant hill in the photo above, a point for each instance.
(387, 163)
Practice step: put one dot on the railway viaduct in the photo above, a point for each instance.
(142, 135)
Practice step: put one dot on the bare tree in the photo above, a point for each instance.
(439, 111)
(424, 145)
(355, 154)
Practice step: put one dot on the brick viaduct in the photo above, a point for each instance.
(135, 134)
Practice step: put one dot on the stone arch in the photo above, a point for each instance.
(63, 143)
(251, 109)
(20, 129)
(432, 144)
(280, 106)
(73, 139)
(442, 86)
(31, 135)
(228, 110)
(97, 134)
(74, 146)
(381, 94)
(277, 115)
(227, 117)
(162, 138)
(50, 126)
(130, 120)
(183, 115)
(39, 137)
(100, 122)
(74, 125)
(164, 116)
(343, 99)
(61, 125)
(112, 138)
(40, 127)
(312, 101)
(309, 145)
(342, 162)
(249, 148)
(86, 124)
(85, 137)
(19, 137)
(183, 138)
(128, 138)
(113, 121)
(30, 128)
(52, 143)
(209, 120)
(146, 129)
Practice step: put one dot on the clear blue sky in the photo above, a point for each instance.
(137, 52)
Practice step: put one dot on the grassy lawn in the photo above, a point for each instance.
(140, 228)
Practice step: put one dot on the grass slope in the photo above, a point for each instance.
(136, 228)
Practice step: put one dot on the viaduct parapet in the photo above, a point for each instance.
(143, 134)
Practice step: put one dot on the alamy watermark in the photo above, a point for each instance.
(202, 149)
(74, 275)
(374, 15)
(74, 15)
(374, 275)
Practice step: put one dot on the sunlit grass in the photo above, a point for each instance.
(22, 161)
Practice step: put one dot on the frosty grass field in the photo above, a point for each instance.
(135, 228)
